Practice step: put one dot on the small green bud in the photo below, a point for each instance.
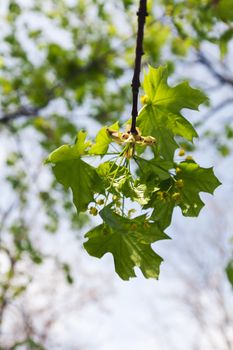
(179, 183)
(144, 100)
(181, 152)
(176, 196)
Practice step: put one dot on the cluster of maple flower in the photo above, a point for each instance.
(129, 137)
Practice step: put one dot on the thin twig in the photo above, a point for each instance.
(220, 77)
(23, 111)
(217, 108)
(142, 13)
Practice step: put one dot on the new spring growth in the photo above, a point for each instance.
(128, 137)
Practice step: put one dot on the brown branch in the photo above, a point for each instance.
(29, 111)
(220, 77)
(142, 13)
(218, 107)
(23, 111)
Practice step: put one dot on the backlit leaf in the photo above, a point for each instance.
(103, 140)
(72, 172)
(161, 117)
(67, 152)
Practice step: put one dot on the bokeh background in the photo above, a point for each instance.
(67, 65)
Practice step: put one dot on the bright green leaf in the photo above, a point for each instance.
(161, 117)
(72, 172)
(67, 152)
(150, 122)
(103, 140)
(140, 193)
(114, 176)
(225, 38)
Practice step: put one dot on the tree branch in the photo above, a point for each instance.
(142, 13)
(217, 108)
(220, 77)
(23, 111)
(27, 110)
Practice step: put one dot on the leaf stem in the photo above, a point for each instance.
(138, 164)
(105, 154)
(142, 13)
(114, 176)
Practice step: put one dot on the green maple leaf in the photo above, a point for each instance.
(152, 173)
(103, 140)
(115, 176)
(161, 117)
(68, 152)
(162, 213)
(129, 241)
(162, 203)
(191, 180)
(154, 169)
(118, 181)
(140, 193)
(72, 172)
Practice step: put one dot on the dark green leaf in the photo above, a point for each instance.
(154, 168)
(129, 241)
(82, 178)
(191, 180)
(162, 212)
